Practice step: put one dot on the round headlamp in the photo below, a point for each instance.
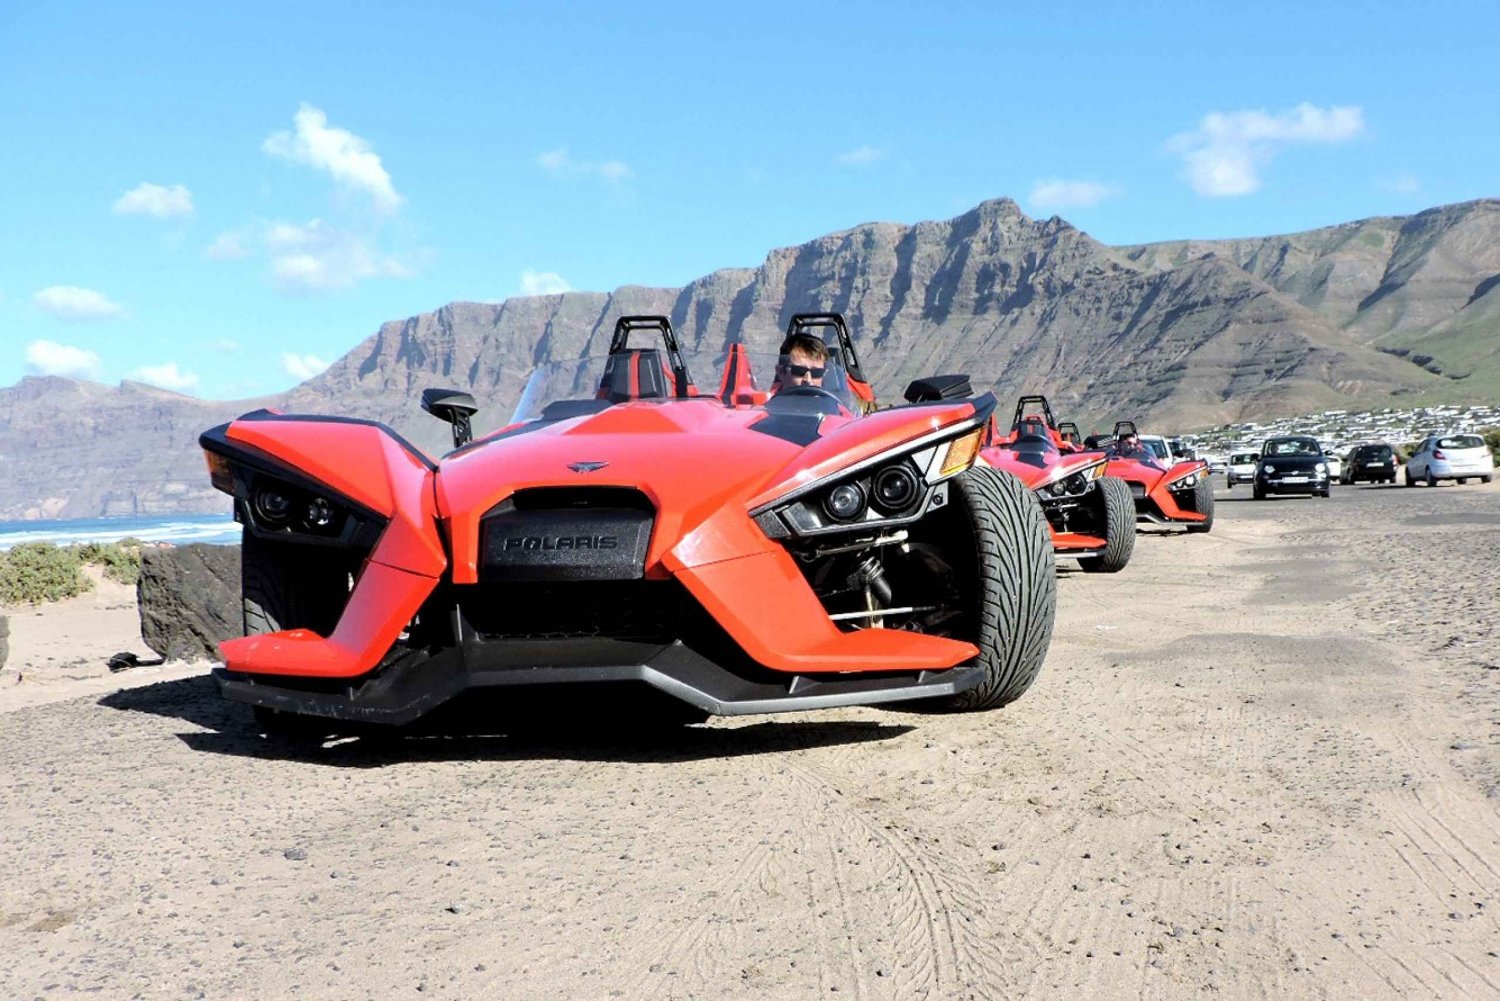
(272, 506)
(845, 502)
(895, 488)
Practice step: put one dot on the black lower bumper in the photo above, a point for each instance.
(410, 684)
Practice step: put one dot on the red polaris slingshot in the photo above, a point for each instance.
(1091, 515)
(739, 551)
(1180, 494)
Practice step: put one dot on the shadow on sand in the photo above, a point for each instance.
(487, 728)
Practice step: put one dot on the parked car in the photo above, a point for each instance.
(1291, 464)
(1370, 463)
(1335, 464)
(1450, 457)
(1242, 468)
(1160, 447)
(1217, 463)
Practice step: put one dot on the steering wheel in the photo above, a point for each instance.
(817, 392)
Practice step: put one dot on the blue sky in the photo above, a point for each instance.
(223, 198)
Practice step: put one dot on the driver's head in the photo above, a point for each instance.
(803, 360)
(1129, 440)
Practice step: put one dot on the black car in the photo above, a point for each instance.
(1292, 464)
(1372, 463)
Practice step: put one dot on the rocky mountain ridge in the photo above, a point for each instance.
(1180, 334)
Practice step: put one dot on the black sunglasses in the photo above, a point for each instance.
(798, 371)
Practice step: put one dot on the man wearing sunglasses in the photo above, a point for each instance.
(803, 360)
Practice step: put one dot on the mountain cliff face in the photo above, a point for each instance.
(1173, 334)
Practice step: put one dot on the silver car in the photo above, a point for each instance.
(1456, 456)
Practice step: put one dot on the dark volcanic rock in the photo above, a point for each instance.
(190, 600)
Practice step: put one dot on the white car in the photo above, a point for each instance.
(1242, 467)
(1450, 457)
(1160, 448)
(1335, 464)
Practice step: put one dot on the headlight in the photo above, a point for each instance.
(1322, 467)
(896, 488)
(272, 506)
(845, 501)
(1076, 483)
(1270, 468)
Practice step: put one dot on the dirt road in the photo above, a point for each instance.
(1263, 762)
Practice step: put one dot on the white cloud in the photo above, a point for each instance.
(303, 367)
(52, 358)
(316, 258)
(543, 283)
(346, 157)
(156, 201)
(861, 156)
(1055, 193)
(167, 376)
(227, 247)
(560, 163)
(69, 302)
(1225, 152)
(1402, 184)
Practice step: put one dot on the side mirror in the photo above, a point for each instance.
(453, 406)
(939, 387)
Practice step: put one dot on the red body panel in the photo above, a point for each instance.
(701, 465)
(1157, 484)
(1064, 464)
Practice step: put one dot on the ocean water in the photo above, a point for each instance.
(181, 528)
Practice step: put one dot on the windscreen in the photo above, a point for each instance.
(1461, 441)
(1159, 449)
(556, 381)
(1292, 446)
(835, 377)
(1243, 459)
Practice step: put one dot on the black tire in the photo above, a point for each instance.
(1117, 516)
(1259, 493)
(1325, 493)
(1203, 503)
(1487, 479)
(1409, 481)
(1015, 586)
(290, 586)
(1462, 480)
(1431, 480)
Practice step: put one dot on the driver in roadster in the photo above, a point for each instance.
(802, 362)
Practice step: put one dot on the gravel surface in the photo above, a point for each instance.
(1260, 762)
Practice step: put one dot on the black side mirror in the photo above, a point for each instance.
(453, 406)
(939, 387)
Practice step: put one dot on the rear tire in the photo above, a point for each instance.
(1118, 511)
(1203, 503)
(1487, 479)
(1015, 586)
(1431, 480)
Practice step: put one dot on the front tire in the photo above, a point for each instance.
(1118, 518)
(1409, 481)
(1015, 586)
(1203, 503)
(1259, 492)
(285, 585)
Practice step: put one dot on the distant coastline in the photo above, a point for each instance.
(175, 529)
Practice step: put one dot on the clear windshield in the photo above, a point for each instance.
(1160, 449)
(1461, 441)
(1292, 446)
(558, 381)
(763, 365)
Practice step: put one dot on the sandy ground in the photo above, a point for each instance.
(61, 651)
(1263, 763)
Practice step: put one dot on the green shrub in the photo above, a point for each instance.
(33, 572)
(121, 560)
